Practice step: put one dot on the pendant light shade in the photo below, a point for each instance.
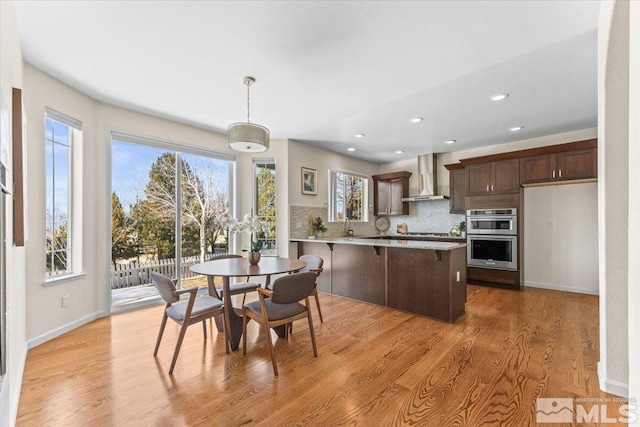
(247, 136)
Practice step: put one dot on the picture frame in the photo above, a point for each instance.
(309, 181)
(19, 130)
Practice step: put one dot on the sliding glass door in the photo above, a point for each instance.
(159, 192)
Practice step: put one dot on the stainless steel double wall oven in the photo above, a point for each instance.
(492, 240)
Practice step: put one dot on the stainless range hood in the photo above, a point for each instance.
(427, 179)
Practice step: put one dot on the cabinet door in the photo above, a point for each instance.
(537, 169)
(396, 190)
(478, 179)
(506, 178)
(579, 164)
(383, 190)
(457, 191)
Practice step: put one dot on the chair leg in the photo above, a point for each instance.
(183, 330)
(315, 294)
(162, 325)
(313, 335)
(267, 331)
(204, 328)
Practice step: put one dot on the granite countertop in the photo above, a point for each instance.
(428, 236)
(389, 243)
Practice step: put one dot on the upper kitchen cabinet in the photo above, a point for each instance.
(388, 191)
(500, 177)
(557, 167)
(457, 190)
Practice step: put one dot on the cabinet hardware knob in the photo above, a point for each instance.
(560, 173)
(487, 188)
(553, 175)
(491, 187)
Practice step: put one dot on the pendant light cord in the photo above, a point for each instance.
(248, 87)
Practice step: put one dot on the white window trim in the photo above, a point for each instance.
(180, 149)
(332, 195)
(269, 160)
(75, 244)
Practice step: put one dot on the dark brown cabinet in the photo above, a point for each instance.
(500, 177)
(457, 191)
(563, 166)
(388, 191)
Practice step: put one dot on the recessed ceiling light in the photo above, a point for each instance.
(499, 96)
(416, 120)
(359, 135)
(516, 128)
(399, 151)
(451, 141)
(351, 149)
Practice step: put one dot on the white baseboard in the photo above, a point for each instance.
(9, 404)
(611, 386)
(562, 288)
(61, 330)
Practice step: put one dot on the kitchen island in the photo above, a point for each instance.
(421, 277)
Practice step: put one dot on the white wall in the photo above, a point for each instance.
(563, 256)
(303, 155)
(90, 295)
(613, 195)
(10, 77)
(44, 311)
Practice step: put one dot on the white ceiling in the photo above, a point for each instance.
(327, 70)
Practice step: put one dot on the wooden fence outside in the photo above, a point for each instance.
(136, 274)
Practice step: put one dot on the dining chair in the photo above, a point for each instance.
(314, 263)
(280, 306)
(235, 288)
(185, 313)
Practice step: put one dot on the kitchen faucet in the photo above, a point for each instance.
(346, 230)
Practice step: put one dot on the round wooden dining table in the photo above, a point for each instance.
(240, 267)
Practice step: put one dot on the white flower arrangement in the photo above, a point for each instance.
(253, 225)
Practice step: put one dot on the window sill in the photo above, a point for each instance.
(57, 280)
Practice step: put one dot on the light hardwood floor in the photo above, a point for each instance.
(376, 367)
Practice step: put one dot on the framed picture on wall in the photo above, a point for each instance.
(19, 130)
(309, 181)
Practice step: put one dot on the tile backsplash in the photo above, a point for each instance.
(431, 216)
(299, 218)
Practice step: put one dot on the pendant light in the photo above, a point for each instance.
(248, 137)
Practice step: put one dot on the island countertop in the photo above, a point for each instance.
(387, 243)
(421, 277)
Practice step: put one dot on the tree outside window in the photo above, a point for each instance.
(348, 196)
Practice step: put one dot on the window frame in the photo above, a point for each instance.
(179, 149)
(264, 161)
(333, 180)
(74, 267)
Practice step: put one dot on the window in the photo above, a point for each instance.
(167, 205)
(348, 195)
(62, 144)
(264, 173)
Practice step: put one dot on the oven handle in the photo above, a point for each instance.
(492, 218)
(490, 237)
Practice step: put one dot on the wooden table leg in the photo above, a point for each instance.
(212, 292)
(232, 320)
